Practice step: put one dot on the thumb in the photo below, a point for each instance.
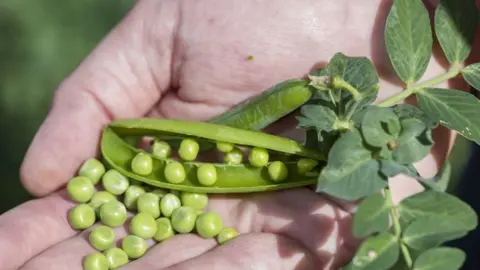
(118, 80)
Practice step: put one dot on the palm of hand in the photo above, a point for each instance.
(183, 59)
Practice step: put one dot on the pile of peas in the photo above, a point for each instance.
(107, 195)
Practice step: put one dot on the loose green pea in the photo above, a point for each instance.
(116, 257)
(258, 157)
(143, 225)
(115, 182)
(226, 234)
(225, 146)
(92, 169)
(233, 157)
(142, 164)
(102, 237)
(99, 199)
(209, 224)
(305, 165)
(81, 217)
(159, 193)
(131, 196)
(197, 201)
(161, 149)
(149, 203)
(174, 172)
(134, 246)
(80, 189)
(113, 214)
(183, 219)
(207, 174)
(169, 203)
(188, 149)
(95, 261)
(278, 171)
(164, 229)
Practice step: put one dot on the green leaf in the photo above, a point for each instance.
(408, 38)
(372, 216)
(454, 109)
(380, 126)
(440, 258)
(351, 173)
(471, 74)
(442, 178)
(376, 253)
(390, 168)
(358, 72)
(439, 204)
(455, 25)
(431, 231)
(406, 111)
(320, 117)
(414, 142)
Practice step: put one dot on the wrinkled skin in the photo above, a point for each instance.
(186, 59)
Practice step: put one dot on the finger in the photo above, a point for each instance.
(251, 251)
(115, 81)
(32, 227)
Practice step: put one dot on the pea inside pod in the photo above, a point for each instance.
(187, 176)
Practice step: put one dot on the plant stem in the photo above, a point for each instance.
(452, 73)
(338, 82)
(398, 231)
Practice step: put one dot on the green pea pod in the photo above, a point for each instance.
(264, 109)
(230, 178)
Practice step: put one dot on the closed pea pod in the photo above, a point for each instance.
(226, 234)
(148, 203)
(143, 225)
(142, 164)
(81, 217)
(134, 246)
(208, 224)
(188, 149)
(113, 214)
(102, 237)
(80, 189)
(116, 257)
(115, 182)
(169, 203)
(197, 201)
(95, 261)
(164, 229)
(183, 219)
(93, 169)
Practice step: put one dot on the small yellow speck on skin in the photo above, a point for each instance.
(250, 57)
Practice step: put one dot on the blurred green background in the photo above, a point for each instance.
(41, 42)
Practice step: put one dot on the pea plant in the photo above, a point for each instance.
(367, 143)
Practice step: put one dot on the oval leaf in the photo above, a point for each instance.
(471, 74)
(454, 109)
(455, 25)
(431, 231)
(351, 173)
(380, 126)
(440, 258)
(414, 142)
(408, 37)
(320, 117)
(434, 203)
(372, 216)
(377, 253)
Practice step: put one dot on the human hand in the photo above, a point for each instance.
(172, 59)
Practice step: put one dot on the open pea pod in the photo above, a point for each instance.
(239, 178)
